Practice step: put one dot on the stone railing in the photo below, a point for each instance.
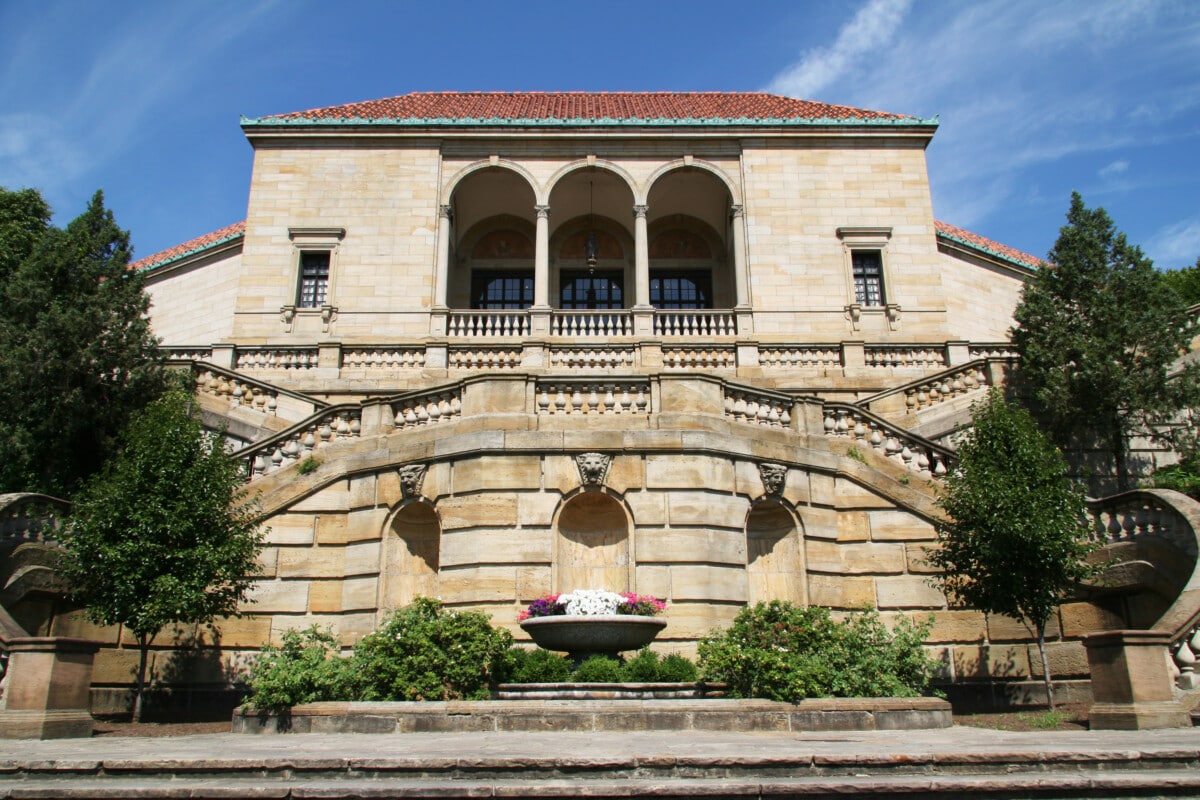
(914, 452)
(303, 439)
(772, 409)
(186, 353)
(29, 517)
(993, 350)
(240, 390)
(934, 389)
(1174, 518)
(610, 357)
(287, 358)
(598, 396)
(382, 358)
(418, 409)
(483, 357)
(712, 357)
(815, 356)
(905, 355)
(586, 324)
(695, 323)
(488, 323)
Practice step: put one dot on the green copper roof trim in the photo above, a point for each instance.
(194, 251)
(633, 122)
(993, 253)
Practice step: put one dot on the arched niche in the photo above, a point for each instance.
(591, 261)
(410, 556)
(690, 240)
(592, 545)
(495, 265)
(774, 556)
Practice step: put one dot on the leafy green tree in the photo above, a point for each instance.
(1017, 540)
(1185, 282)
(161, 535)
(1099, 334)
(76, 354)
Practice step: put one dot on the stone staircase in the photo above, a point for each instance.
(912, 764)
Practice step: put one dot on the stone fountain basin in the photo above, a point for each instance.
(593, 634)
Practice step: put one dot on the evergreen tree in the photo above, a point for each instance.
(1099, 333)
(1017, 540)
(1185, 282)
(161, 535)
(76, 354)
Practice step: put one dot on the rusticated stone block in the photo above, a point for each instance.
(479, 510)
(291, 529)
(485, 473)
(956, 626)
(917, 556)
(819, 523)
(479, 585)
(334, 497)
(360, 594)
(312, 562)
(648, 508)
(362, 558)
(1007, 629)
(533, 582)
(907, 592)
(249, 631)
(899, 526)
(537, 509)
(676, 472)
(496, 546)
(849, 494)
(691, 544)
(278, 597)
(362, 491)
(854, 559)
(708, 583)
(837, 591)
(990, 661)
(1082, 618)
(853, 526)
(705, 508)
(325, 597)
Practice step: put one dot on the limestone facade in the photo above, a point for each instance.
(706, 355)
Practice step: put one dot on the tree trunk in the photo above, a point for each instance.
(1120, 451)
(144, 646)
(1041, 639)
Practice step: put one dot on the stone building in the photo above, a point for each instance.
(711, 347)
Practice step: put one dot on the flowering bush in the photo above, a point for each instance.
(593, 602)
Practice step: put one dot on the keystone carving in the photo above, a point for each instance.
(774, 477)
(411, 478)
(593, 467)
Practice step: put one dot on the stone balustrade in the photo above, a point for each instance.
(626, 396)
(484, 358)
(905, 355)
(993, 350)
(1138, 514)
(695, 323)
(480, 324)
(418, 409)
(371, 359)
(245, 392)
(187, 353)
(713, 357)
(29, 517)
(587, 324)
(303, 440)
(800, 357)
(610, 357)
(851, 422)
(1183, 653)
(758, 408)
(274, 358)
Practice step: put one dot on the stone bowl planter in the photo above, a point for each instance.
(584, 636)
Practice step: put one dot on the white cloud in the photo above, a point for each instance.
(1115, 169)
(1176, 245)
(872, 27)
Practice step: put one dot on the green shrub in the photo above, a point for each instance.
(642, 668)
(598, 669)
(539, 666)
(780, 651)
(424, 652)
(306, 668)
(674, 668)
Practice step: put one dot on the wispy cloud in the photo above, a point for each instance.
(1115, 169)
(871, 28)
(1176, 245)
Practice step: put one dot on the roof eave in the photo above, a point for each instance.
(956, 243)
(203, 251)
(294, 123)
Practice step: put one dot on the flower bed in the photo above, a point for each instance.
(593, 602)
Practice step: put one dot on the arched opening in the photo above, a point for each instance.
(774, 562)
(591, 247)
(690, 243)
(592, 547)
(492, 247)
(411, 553)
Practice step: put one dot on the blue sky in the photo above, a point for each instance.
(1036, 98)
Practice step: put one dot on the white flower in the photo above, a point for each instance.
(590, 602)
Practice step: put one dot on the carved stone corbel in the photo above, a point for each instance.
(328, 315)
(774, 477)
(411, 478)
(854, 314)
(593, 468)
(286, 315)
(893, 315)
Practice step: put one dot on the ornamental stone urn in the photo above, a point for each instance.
(585, 635)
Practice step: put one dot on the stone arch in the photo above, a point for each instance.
(410, 555)
(695, 163)
(691, 207)
(581, 164)
(774, 554)
(451, 185)
(593, 546)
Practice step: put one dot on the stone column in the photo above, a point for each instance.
(442, 268)
(641, 259)
(739, 257)
(541, 259)
(1131, 682)
(47, 688)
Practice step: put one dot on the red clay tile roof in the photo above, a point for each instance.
(587, 106)
(226, 234)
(977, 242)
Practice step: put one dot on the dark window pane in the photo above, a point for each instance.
(868, 277)
(680, 290)
(586, 290)
(314, 279)
(501, 290)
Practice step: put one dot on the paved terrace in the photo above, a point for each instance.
(924, 763)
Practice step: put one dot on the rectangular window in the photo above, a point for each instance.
(314, 278)
(501, 290)
(587, 290)
(680, 290)
(868, 277)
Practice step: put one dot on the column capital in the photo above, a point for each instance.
(446, 212)
(543, 211)
(639, 210)
(736, 210)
